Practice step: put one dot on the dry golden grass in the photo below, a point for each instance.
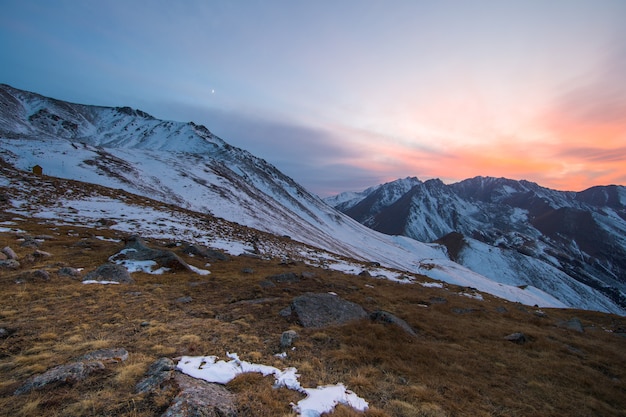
(460, 365)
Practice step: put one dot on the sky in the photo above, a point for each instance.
(342, 95)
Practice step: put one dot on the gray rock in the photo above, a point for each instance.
(40, 275)
(30, 242)
(572, 324)
(285, 312)
(106, 355)
(75, 371)
(110, 272)
(68, 272)
(210, 254)
(388, 318)
(319, 310)
(199, 398)
(10, 254)
(62, 374)
(10, 264)
(32, 276)
(519, 338)
(159, 372)
(137, 250)
(247, 271)
(184, 300)
(308, 275)
(41, 254)
(287, 338)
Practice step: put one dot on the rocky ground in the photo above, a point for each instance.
(70, 348)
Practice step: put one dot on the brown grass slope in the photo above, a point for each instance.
(460, 365)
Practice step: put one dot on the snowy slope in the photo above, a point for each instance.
(184, 164)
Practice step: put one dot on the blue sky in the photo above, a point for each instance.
(342, 95)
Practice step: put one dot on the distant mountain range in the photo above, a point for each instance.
(517, 239)
(500, 227)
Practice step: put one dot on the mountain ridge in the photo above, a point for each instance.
(184, 164)
(580, 234)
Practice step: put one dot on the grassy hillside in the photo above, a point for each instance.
(459, 365)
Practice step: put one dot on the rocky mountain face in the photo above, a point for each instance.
(185, 165)
(531, 233)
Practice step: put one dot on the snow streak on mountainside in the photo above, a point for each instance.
(514, 232)
(184, 164)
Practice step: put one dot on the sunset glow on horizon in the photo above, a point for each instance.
(343, 96)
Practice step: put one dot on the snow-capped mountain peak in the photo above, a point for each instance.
(186, 165)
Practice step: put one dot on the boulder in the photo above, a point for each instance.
(199, 398)
(137, 250)
(319, 310)
(75, 371)
(110, 272)
(388, 318)
(62, 374)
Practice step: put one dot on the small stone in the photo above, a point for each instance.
(10, 254)
(41, 254)
(287, 338)
(10, 264)
(69, 272)
(184, 300)
(247, 271)
(145, 324)
(29, 242)
(519, 338)
(41, 274)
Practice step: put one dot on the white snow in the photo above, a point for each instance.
(93, 281)
(318, 400)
